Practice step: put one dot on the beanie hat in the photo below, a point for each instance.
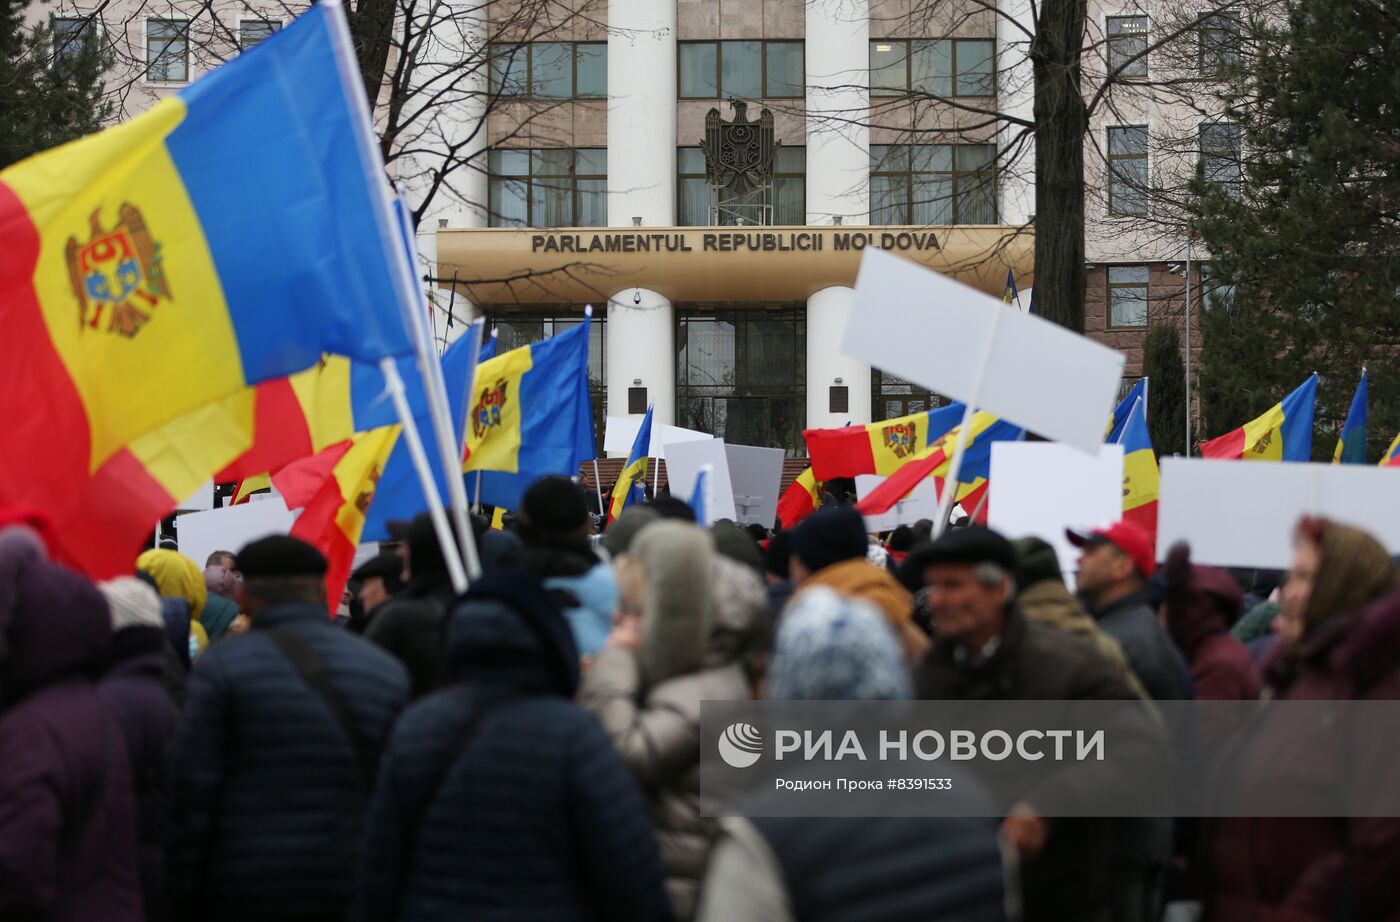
(1036, 562)
(830, 536)
(831, 648)
(736, 544)
(132, 603)
(553, 510)
(617, 540)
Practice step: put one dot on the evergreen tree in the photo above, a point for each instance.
(1166, 395)
(1306, 242)
(50, 86)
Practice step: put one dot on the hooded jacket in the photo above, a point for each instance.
(499, 798)
(649, 701)
(588, 589)
(68, 841)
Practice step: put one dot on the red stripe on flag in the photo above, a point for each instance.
(280, 432)
(1145, 517)
(797, 503)
(302, 482)
(841, 452)
(317, 526)
(118, 507)
(1227, 447)
(897, 485)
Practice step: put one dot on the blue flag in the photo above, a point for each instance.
(1351, 444)
(698, 496)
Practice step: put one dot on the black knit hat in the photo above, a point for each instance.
(830, 536)
(553, 508)
(279, 556)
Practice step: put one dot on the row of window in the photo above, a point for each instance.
(1217, 44)
(167, 42)
(1128, 292)
(909, 184)
(1129, 182)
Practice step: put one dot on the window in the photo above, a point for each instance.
(894, 397)
(1127, 171)
(1219, 37)
(933, 67)
(789, 199)
(549, 187)
(742, 375)
(1214, 294)
(1220, 154)
(1127, 47)
(167, 50)
(252, 31)
(516, 329)
(550, 70)
(741, 70)
(70, 36)
(933, 184)
(1127, 296)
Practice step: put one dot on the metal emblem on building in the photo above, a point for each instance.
(739, 166)
(117, 273)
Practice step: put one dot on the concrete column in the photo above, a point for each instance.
(641, 185)
(838, 187)
(1015, 97)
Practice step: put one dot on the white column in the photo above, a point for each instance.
(641, 185)
(838, 172)
(1015, 97)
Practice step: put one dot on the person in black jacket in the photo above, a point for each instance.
(276, 751)
(410, 624)
(499, 798)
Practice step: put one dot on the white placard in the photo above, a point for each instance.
(1242, 513)
(201, 499)
(1041, 488)
(202, 533)
(364, 552)
(621, 432)
(1039, 375)
(757, 477)
(920, 503)
(683, 463)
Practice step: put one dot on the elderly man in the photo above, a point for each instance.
(985, 650)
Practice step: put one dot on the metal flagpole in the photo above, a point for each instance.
(950, 483)
(1188, 342)
(598, 485)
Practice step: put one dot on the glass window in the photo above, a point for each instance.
(741, 375)
(699, 63)
(510, 70)
(1127, 47)
(1127, 296)
(167, 50)
(252, 31)
(974, 67)
(592, 70)
(1220, 153)
(783, 70)
(892, 397)
(1214, 294)
(1219, 42)
(933, 67)
(788, 200)
(69, 35)
(549, 187)
(1128, 185)
(551, 70)
(889, 67)
(933, 184)
(741, 69)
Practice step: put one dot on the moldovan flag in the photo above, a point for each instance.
(1284, 433)
(245, 488)
(1351, 444)
(1391, 458)
(634, 471)
(228, 236)
(877, 448)
(1140, 477)
(802, 498)
(335, 489)
(935, 461)
(1125, 407)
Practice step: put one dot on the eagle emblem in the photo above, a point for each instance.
(117, 275)
(1264, 442)
(366, 496)
(899, 438)
(489, 405)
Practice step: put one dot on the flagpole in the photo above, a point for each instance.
(425, 474)
(950, 483)
(477, 504)
(598, 485)
(1188, 342)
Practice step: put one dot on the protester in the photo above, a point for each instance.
(617, 540)
(277, 750)
(780, 868)
(1199, 604)
(1332, 646)
(901, 541)
(553, 525)
(499, 798)
(777, 563)
(226, 559)
(662, 658)
(1116, 564)
(220, 609)
(738, 545)
(184, 594)
(380, 578)
(830, 549)
(134, 687)
(410, 624)
(68, 819)
(985, 650)
(671, 507)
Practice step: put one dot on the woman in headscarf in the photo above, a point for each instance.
(184, 595)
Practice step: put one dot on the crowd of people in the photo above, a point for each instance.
(199, 746)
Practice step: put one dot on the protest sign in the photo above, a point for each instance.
(757, 476)
(683, 463)
(621, 432)
(199, 534)
(919, 503)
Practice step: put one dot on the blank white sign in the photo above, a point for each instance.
(202, 533)
(621, 432)
(756, 475)
(683, 463)
(1242, 513)
(926, 328)
(1041, 488)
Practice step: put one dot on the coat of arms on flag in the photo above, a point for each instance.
(900, 438)
(117, 272)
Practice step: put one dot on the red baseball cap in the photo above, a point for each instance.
(1127, 537)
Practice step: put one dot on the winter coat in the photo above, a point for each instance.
(410, 627)
(498, 797)
(68, 842)
(1048, 602)
(267, 793)
(1069, 878)
(1158, 664)
(649, 701)
(1279, 869)
(1256, 623)
(133, 688)
(588, 590)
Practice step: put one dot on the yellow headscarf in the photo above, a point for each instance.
(177, 576)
